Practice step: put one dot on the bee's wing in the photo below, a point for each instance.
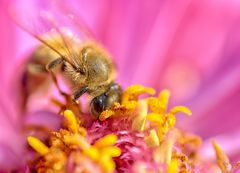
(79, 22)
(51, 27)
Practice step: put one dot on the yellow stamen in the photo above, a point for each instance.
(161, 132)
(164, 97)
(111, 151)
(222, 158)
(159, 105)
(152, 139)
(82, 131)
(76, 140)
(182, 109)
(92, 152)
(171, 120)
(139, 121)
(148, 115)
(130, 104)
(37, 145)
(107, 164)
(71, 120)
(155, 118)
(165, 153)
(131, 94)
(173, 167)
(106, 141)
(156, 105)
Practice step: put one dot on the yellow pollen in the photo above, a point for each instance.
(139, 121)
(76, 140)
(106, 114)
(71, 120)
(37, 145)
(222, 158)
(106, 141)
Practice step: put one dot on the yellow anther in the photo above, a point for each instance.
(155, 118)
(37, 145)
(71, 120)
(134, 91)
(76, 140)
(152, 139)
(164, 97)
(222, 158)
(111, 151)
(130, 104)
(182, 109)
(107, 164)
(140, 120)
(106, 141)
(156, 105)
(92, 152)
(173, 167)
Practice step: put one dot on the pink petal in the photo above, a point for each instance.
(9, 159)
(229, 142)
(44, 118)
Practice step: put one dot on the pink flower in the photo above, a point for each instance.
(189, 47)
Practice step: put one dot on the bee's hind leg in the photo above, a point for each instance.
(54, 78)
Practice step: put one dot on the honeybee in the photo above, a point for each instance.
(85, 64)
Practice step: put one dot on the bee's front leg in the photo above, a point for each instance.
(54, 63)
(79, 93)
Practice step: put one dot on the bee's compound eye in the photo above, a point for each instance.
(98, 104)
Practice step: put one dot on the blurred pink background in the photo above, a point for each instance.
(190, 47)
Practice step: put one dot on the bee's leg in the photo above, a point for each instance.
(54, 63)
(54, 78)
(79, 93)
(49, 68)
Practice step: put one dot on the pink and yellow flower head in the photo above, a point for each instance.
(136, 135)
